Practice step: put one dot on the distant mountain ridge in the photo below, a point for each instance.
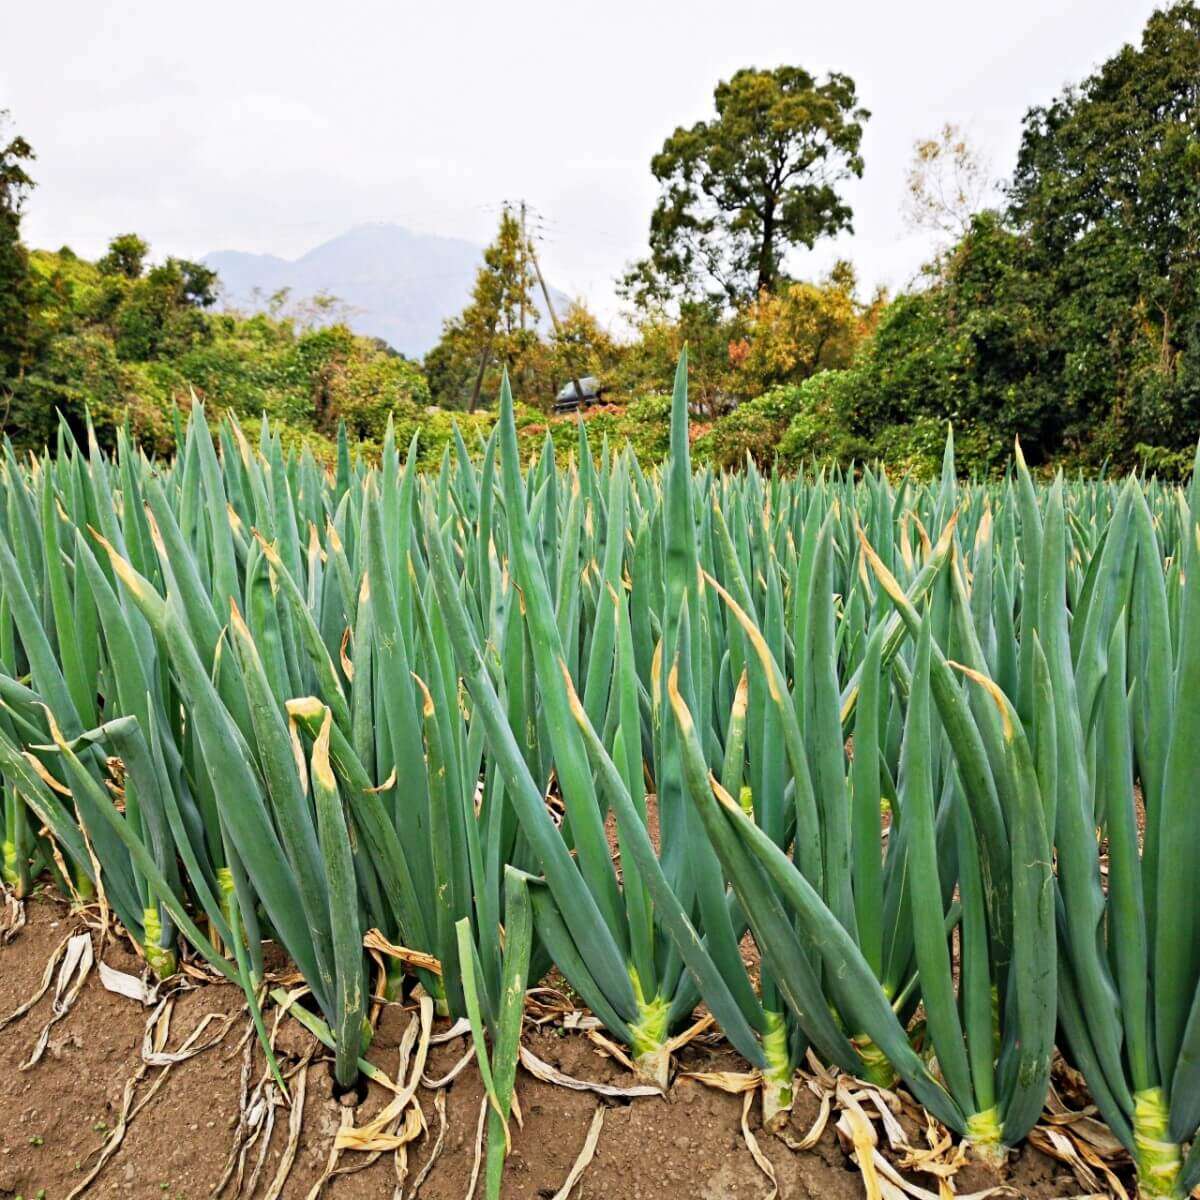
(398, 285)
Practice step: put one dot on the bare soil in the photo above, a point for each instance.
(55, 1116)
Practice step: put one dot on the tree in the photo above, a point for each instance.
(973, 349)
(357, 380)
(1072, 317)
(948, 182)
(580, 346)
(648, 364)
(800, 329)
(158, 314)
(1107, 194)
(497, 329)
(126, 256)
(17, 285)
(199, 284)
(740, 190)
(320, 309)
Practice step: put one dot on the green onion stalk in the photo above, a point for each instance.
(160, 957)
(632, 949)
(836, 812)
(1129, 968)
(987, 1102)
(497, 1018)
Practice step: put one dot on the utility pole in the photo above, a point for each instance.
(522, 282)
(524, 268)
(550, 309)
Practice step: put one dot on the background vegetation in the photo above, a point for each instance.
(1063, 309)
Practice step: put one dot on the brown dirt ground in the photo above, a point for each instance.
(53, 1118)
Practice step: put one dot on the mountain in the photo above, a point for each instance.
(396, 284)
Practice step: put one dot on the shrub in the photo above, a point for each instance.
(821, 428)
(755, 428)
(647, 425)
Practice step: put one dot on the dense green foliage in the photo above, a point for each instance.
(131, 342)
(1107, 197)
(1072, 317)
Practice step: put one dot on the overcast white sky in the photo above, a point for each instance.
(272, 126)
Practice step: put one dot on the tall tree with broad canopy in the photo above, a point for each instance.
(740, 190)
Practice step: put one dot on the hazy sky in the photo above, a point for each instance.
(272, 126)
